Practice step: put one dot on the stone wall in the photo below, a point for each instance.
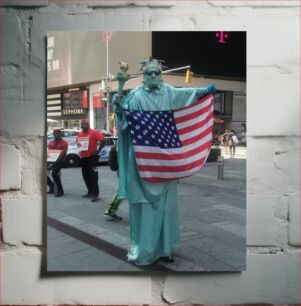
(273, 167)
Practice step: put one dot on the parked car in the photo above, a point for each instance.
(104, 154)
(73, 158)
(67, 134)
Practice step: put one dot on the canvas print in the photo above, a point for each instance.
(146, 151)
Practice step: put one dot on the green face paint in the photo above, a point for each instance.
(152, 78)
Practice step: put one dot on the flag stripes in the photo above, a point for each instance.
(178, 143)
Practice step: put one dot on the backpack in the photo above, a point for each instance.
(113, 158)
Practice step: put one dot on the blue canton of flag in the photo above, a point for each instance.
(157, 129)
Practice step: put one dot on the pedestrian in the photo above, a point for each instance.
(225, 141)
(115, 202)
(112, 209)
(153, 208)
(233, 141)
(115, 132)
(87, 141)
(57, 150)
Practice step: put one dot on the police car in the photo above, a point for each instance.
(67, 134)
(104, 154)
(73, 158)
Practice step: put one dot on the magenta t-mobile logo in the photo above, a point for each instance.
(222, 36)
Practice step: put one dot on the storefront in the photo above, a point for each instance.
(72, 69)
(67, 107)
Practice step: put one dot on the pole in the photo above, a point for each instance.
(220, 168)
(108, 90)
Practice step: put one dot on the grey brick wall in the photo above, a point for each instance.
(273, 168)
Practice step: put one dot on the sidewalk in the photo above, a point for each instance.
(240, 153)
(212, 223)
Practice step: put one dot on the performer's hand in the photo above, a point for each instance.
(117, 99)
(211, 88)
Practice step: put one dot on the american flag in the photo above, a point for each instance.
(172, 144)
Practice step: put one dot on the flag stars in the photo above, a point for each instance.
(153, 129)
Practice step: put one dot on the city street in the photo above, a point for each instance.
(212, 223)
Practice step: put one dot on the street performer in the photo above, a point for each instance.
(149, 185)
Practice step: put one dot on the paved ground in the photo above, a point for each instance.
(212, 224)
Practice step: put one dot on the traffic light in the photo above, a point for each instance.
(189, 75)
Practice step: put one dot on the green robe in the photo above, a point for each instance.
(154, 220)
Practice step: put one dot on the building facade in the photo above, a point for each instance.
(81, 70)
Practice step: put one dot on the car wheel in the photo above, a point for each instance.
(72, 160)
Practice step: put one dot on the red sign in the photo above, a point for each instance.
(97, 100)
(85, 99)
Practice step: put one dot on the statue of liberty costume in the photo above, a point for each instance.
(153, 207)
